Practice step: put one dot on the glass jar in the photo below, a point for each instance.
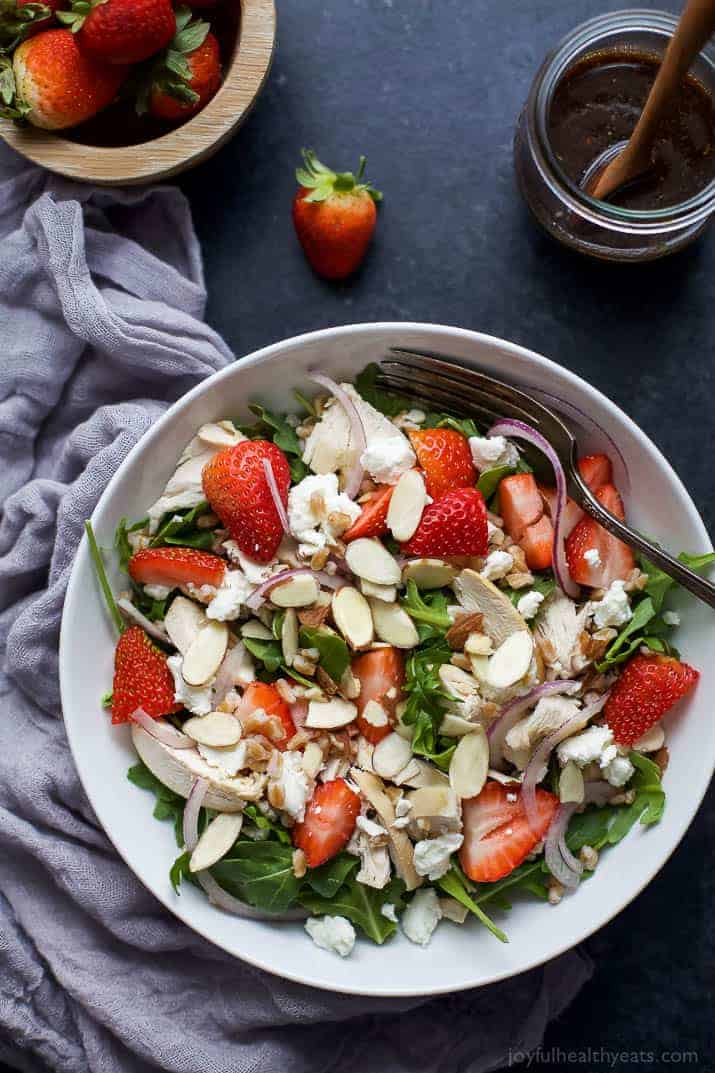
(568, 214)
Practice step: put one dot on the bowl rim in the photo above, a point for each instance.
(265, 354)
(177, 150)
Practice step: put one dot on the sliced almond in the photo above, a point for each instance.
(469, 764)
(511, 661)
(352, 616)
(438, 805)
(453, 910)
(216, 841)
(465, 623)
(391, 755)
(373, 789)
(312, 759)
(455, 726)
(205, 654)
(216, 729)
(394, 625)
(330, 714)
(457, 682)
(419, 774)
(478, 644)
(403, 729)
(220, 434)
(388, 593)
(183, 621)
(368, 558)
(256, 630)
(571, 785)
(407, 502)
(651, 741)
(299, 591)
(429, 573)
(480, 667)
(289, 636)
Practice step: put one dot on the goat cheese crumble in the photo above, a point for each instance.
(614, 609)
(317, 511)
(488, 452)
(529, 604)
(332, 933)
(422, 916)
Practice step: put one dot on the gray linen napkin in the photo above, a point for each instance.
(101, 300)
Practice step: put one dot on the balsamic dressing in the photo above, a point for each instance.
(597, 104)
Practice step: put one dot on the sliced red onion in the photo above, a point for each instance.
(587, 422)
(223, 900)
(299, 713)
(259, 595)
(163, 732)
(353, 479)
(558, 863)
(191, 812)
(543, 751)
(132, 612)
(521, 431)
(498, 730)
(275, 494)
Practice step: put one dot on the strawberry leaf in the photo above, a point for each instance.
(15, 22)
(322, 182)
(191, 37)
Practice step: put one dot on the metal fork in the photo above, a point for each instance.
(437, 381)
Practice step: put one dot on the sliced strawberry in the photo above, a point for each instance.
(142, 678)
(266, 696)
(381, 673)
(455, 525)
(497, 834)
(373, 517)
(329, 822)
(572, 512)
(176, 566)
(445, 458)
(537, 543)
(647, 688)
(520, 504)
(236, 486)
(615, 559)
(596, 471)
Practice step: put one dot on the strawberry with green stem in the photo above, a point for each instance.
(120, 31)
(185, 76)
(334, 216)
(21, 18)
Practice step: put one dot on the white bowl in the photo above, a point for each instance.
(457, 957)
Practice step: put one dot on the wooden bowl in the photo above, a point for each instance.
(148, 161)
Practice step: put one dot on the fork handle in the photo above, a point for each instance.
(699, 586)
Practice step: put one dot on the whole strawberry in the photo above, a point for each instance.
(334, 216)
(121, 31)
(236, 487)
(647, 688)
(455, 525)
(187, 75)
(56, 85)
(142, 678)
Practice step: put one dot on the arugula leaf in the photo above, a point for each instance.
(260, 873)
(428, 611)
(660, 583)
(275, 829)
(180, 871)
(489, 480)
(102, 578)
(334, 653)
(107, 699)
(605, 826)
(452, 884)
(275, 427)
(384, 401)
(180, 529)
(269, 653)
(465, 425)
(169, 806)
(121, 540)
(328, 878)
(529, 876)
(360, 904)
(304, 402)
(426, 698)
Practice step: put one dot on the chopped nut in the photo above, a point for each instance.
(286, 691)
(304, 665)
(519, 558)
(495, 520)
(458, 659)
(313, 616)
(636, 581)
(319, 559)
(478, 644)
(258, 753)
(207, 521)
(339, 522)
(350, 685)
(258, 722)
(518, 579)
(662, 758)
(325, 681)
(496, 537)
(275, 795)
(300, 739)
(465, 622)
(300, 864)
(317, 504)
(588, 857)
(556, 891)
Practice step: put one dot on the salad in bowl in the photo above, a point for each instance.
(359, 688)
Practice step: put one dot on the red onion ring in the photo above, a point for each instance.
(163, 732)
(259, 595)
(191, 812)
(500, 727)
(543, 752)
(353, 479)
(132, 612)
(223, 900)
(561, 405)
(275, 494)
(520, 430)
(566, 869)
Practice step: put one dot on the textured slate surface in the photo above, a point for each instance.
(430, 90)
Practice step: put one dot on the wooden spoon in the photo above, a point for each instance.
(696, 25)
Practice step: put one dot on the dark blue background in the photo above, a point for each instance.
(430, 91)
